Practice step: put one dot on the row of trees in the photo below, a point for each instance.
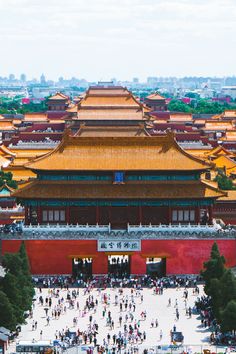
(15, 106)
(200, 106)
(16, 289)
(220, 285)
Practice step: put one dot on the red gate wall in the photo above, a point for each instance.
(183, 256)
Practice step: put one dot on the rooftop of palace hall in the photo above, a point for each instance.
(80, 153)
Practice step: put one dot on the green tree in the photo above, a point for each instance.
(213, 268)
(224, 182)
(9, 285)
(25, 277)
(228, 317)
(178, 106)
(17, 265)
(24, 259)
(7, 318)
(12, 263)
(6, 177)
(216, 297)
(228, 287)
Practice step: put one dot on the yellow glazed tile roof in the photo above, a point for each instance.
(231, 196)
(224, 162)
(110, 114)
(118, 153)
(155, 96)
(6, 125)
(58, 96)
(160, 190)
(20, 173)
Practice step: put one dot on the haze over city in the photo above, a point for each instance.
(101, 39)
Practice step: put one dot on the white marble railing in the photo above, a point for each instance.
(67, 227)
(101, 232)
(174, 227)
(12, 210)
(130, 228)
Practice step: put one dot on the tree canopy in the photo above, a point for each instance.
(199, 106)
(15, 106)
(224, 182)
(220, 285)
(16, 288)
(6, 177)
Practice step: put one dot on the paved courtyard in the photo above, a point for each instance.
(156, 307)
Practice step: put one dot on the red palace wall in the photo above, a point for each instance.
(182, 256)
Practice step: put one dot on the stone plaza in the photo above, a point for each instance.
(157, 307)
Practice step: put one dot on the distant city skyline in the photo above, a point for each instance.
(41, 78)
(101, 39)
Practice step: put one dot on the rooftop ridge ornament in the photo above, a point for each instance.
(169, 141)
(65, 139)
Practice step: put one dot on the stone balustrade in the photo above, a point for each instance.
(12, 210)
(101, 232)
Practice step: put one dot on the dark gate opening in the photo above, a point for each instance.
(156, 267)
(82, 268)
(119, 265)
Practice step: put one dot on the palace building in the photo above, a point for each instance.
(110, 198)
(118, 180)
(138, 197)
(109, 105)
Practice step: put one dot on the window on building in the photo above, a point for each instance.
(45, 215)
(180, 215)
(54, 216)
(118, 177)
(174, 215)
(50, 215)
(192, 215)
(185, 215)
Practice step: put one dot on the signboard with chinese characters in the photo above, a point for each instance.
(119, 246)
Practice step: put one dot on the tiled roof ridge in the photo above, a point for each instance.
(166, 141)
(60, 94)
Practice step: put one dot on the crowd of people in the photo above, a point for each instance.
(111, 281)
(117, 306)
(203, 307)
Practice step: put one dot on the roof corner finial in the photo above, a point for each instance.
(170, 134)
(65, 138)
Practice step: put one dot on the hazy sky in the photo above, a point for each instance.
(101, 39)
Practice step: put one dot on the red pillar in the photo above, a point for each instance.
(26, 215)
(100, 264)
(67, 214)
(39, 215)
(169, 215)
(197, 215)
(138, 264)
(97, 215)
(210, 211)
(140, 213)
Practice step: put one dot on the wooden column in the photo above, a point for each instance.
(29, 215)
(97, 215)
(140, 212)
(67, 214)
(39, 215)
(197, 215)
(210, 211)
(26, 215)
(169, 215)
